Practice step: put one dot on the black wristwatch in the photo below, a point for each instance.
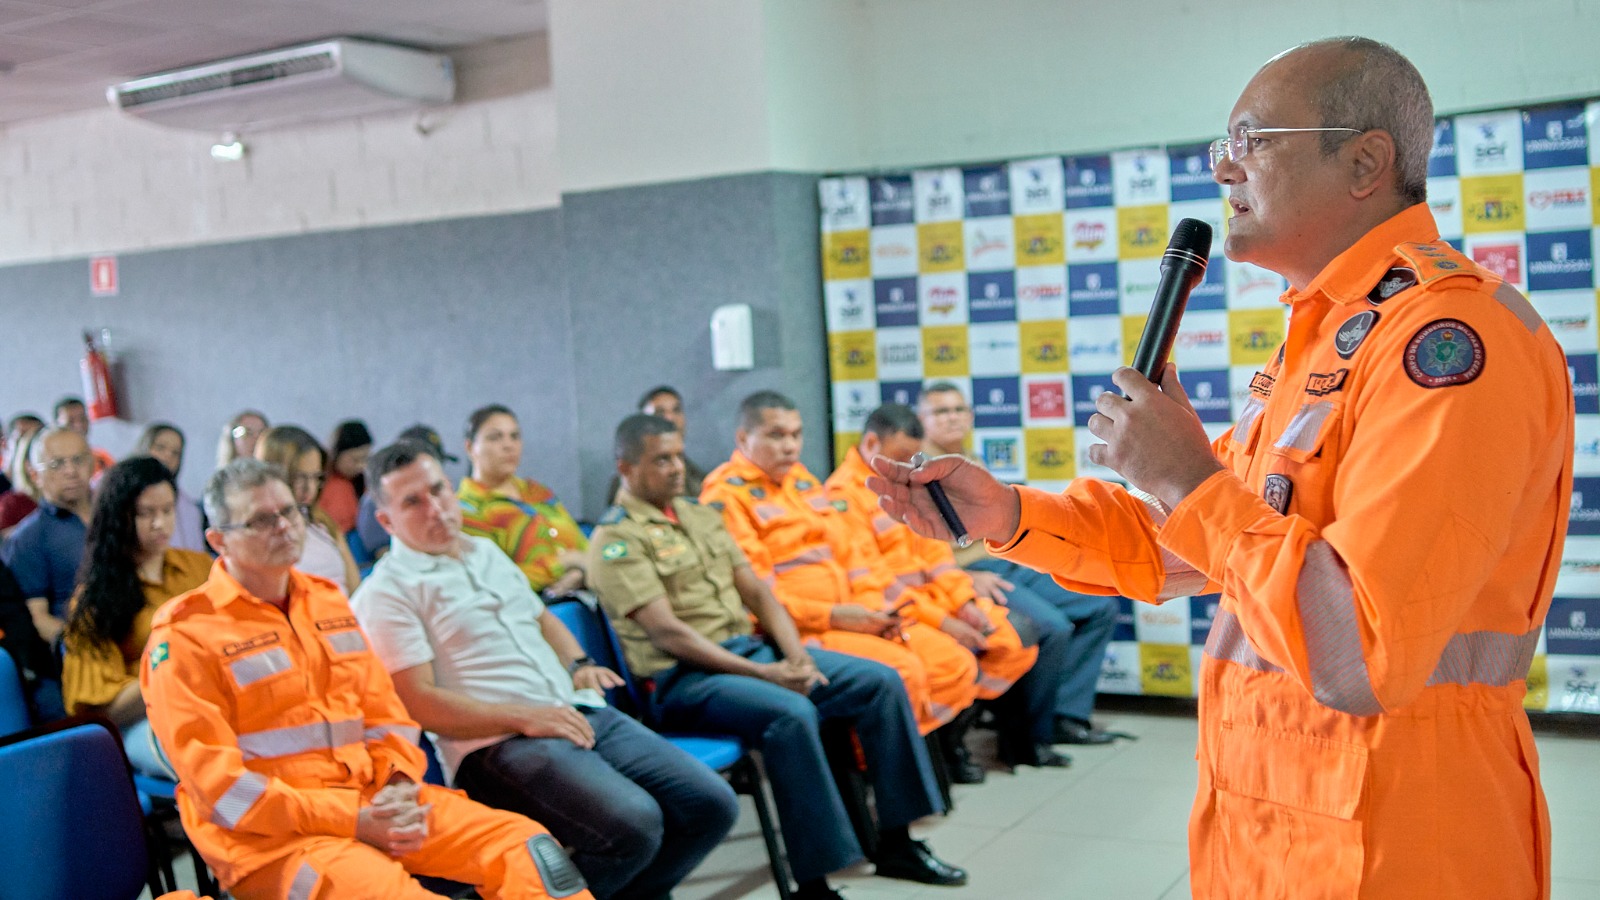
(580, 663)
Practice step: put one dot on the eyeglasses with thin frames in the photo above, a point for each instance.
(267, 522)
(1238, 144)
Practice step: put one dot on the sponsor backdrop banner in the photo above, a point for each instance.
(1026, 283)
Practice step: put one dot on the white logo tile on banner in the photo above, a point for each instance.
(990, 244)
(1164, 624)
(1489, 143)
(938, 195)
(1586, 453)
(1202, 341)
(1141, 177)
(1083, 439)
(853, 401)
(1557, 198)
(844, 204)
(1571, 317)
(1041, 293)
(1211, 212)
(1094, 344)
(1137, 280)
(993, 348)
(1091, 234)
(900, 354)
(1252, 287)
(942, 299)
(1036, 186)
(849, 305)
(1239, 379)
(894, 251)
(1444, 199)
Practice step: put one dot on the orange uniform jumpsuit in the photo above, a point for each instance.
(280, 726)
(801, 545)
(927, 568)
(1386, 538)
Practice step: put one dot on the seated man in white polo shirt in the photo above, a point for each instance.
(515, 705)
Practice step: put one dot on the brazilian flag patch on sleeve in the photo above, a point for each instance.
(614, 550)
(158, 655)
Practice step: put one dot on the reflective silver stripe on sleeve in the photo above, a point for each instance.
(238, 799)
(251, 669)
(820, 503)
(1227, 642)
(1301, 432)
(810, 557)
(1486, 657)
(1179, 578)
(350, 641)
(893, 591)
(1247, 418)
(1327, 603)
(941, 568)
(378, 732)
(912, 579)
(300, 738)
(861, 572)
(305, 881)
(1512, 299)
(766, 512)
(881, 523)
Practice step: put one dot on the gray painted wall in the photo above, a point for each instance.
(564, 315)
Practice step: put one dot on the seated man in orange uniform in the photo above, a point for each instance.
(949, 600)
(836, 588)
(299, 768)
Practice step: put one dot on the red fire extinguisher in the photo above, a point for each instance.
(99, 394)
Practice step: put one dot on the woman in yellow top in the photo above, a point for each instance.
(129, 571)
(522, 516)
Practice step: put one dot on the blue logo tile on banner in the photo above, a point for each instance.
(1191, 173)
(1085, 388)
(904, 393)
(992, 296)
(1585, 518)
(1458, 243)
(1092, 289)
(988, 191)
(1560, 260)
(1573, 626)
(1442, 160)
(1212, 292)
(1088, 181)
(1202, 609)
(1124, 631)
(891, 200)
(1209, 394)
(996, 403)
(1584, 370)
(1554, 136)
(896, 301)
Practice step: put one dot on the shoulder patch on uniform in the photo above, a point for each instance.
(1353, 332)
(736, 481)
(758, 493)
(158, 655)
(614, 550)
(804, 484)
(1393, 282)
(841, 505)
(612, 516)
(1444, 352)
(1433, 261)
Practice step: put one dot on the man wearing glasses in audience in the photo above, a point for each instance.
(46, 547)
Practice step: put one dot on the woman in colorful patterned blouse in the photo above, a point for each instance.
(520, 515)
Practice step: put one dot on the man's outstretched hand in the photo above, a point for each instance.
(988, 508)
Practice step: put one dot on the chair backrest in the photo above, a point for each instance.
(600, 642)
(13, 703)
(71, 828)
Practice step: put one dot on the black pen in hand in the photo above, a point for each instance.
(940, 500)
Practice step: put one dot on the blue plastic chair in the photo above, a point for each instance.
(71, 828)
(13, 703)
(724, 754)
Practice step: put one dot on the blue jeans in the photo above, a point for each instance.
(784, 727)
(1083, 621)
(637, 813)
(139, 744)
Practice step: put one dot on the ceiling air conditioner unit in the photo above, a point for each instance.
(337, 78)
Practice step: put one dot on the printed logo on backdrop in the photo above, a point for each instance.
(1202, 341)
(1212, 291)
(988, 191)
(1036, 185)
(1091, 235)
(1581, 368)
(1202, 612)
(853, 355)
(1489, 143)
(845, 255)
(850, 305)
(1557, 198)
(904, 393)
(895, 300)
(1095, 344)
(936, 195)
(1047, 400)
(1140, 177)
(1577, 683)
(1554, 136)
(1119, 669)
(944, 351)
(994, 348)
(1040, 240)
(1044, 346)
(1164, 669)
(844, 204)
(942, 298)
(1252, 287)
(1191, 173)
(1585, 515)
(1164, 624)
(939, 247)
(992, 296)
(1442, 160)
(1560, 260)
(1502, 258)
(996, 403)
(1573, 626)
(852, 403)
(1444, 200)
(1041, 293)
(1141, 232)
(1208, 393)
(1138, 280)
(1492, 203)
(1049, 453)
(899, 353)
(1088, 181)
(1092, 289)
(1001, 452)
(892, 200)
(988, 244)
(894, 251)
(1085, 390)
(1571, 317)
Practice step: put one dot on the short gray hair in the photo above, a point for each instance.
(1374, 87)
(243, 474)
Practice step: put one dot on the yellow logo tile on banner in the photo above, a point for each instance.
(944, 351)
(1132, 330)
(1040, 240)
(1164, 669)
(1141, 231)
(853, 355)
(1044, 346)
(939, 247)
(1050, 454)
(842, 442)
(1492, 203)
(1538, 696)
(846, 254)
(1253, 335)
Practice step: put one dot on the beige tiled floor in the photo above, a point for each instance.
(1113, 826)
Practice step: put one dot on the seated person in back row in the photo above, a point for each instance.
(46, 547)
(514, 702)
(681, 594)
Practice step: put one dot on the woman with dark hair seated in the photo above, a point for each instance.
(348, 449)
(304, 463)
(165, 442)
(129, 571)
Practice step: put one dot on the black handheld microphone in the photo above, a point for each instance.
(1182, 267)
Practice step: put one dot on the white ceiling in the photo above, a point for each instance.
(58, 56)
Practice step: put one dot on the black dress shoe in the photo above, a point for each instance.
(1046, 758)
(962, 769)
(915, 862)
(1069, 732)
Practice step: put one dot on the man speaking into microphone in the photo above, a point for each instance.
(1385, 560)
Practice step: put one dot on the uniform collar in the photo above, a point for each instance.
(644, 512)
(1352, 274)
(854, 466)
(223, 588)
